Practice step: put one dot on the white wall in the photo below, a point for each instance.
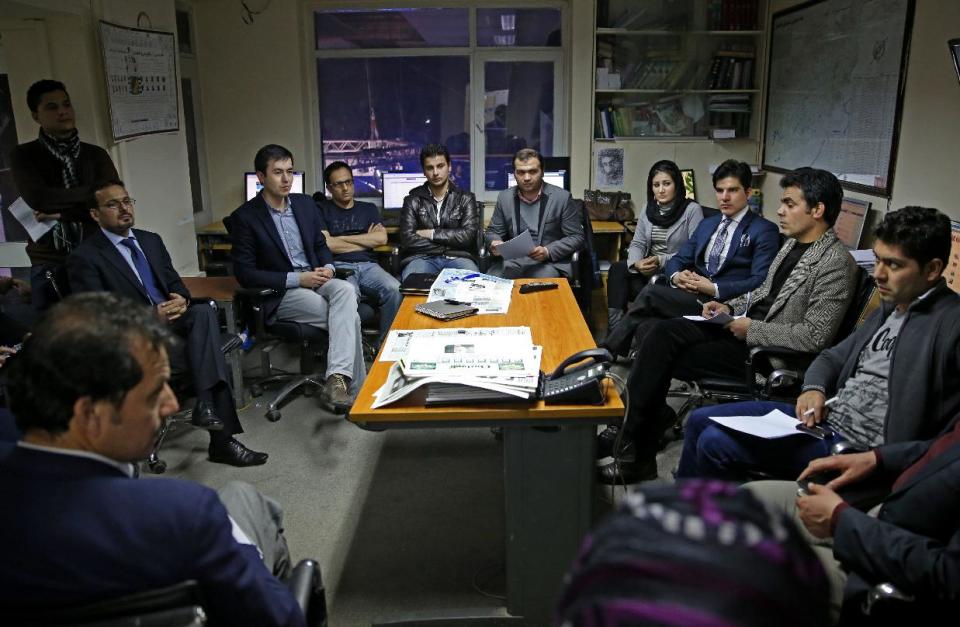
(41, 43)
(928, 155)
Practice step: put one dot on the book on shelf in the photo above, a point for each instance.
(723, 133)
(733, 14)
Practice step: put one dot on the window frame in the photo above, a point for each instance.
(477, 57)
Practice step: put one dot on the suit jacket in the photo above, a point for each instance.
(259, 257)
(914, 542)
(812, 301)
(562, 228)
(97, 266)
(755, 243)
(39, 179)
(82, 531)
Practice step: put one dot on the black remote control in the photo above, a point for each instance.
(526, 288)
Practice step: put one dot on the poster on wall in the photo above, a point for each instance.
(141, 73)
(610, 168)
(952, 273)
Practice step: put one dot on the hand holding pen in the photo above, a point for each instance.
(712, 308)
(811, 407)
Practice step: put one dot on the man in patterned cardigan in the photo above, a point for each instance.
(799, 305)
(895, 379)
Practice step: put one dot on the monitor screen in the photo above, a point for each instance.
(554, 177)
(954, 45)
(396, 186)
(850, 222)
(252, 186)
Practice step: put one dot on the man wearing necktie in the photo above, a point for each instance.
(135, 263)
(728, 255)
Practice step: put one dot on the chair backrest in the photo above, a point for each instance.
(179, 605)
(865, 300)
(709, 212)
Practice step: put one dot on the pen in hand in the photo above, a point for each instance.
(826, 403)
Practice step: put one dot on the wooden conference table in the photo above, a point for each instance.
(549, 470)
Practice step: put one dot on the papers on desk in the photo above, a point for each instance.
(775, 424)
(24, 215)
(488, 293)
(720, 318)
(507, 363)
(399, 341)
(519, 246)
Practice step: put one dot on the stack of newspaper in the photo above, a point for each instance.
(463, 365)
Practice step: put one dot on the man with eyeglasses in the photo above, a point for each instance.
(135, 263)
(353, 228)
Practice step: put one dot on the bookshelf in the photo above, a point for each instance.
(678, 69)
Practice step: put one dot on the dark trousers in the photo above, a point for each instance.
(676, 348)
(198, 357)
(623, 286)
(655, 302)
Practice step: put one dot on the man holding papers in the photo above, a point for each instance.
(896, 379)
(799, 305)
(546, 212)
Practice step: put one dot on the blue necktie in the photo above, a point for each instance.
(147, 277)
(713, 261)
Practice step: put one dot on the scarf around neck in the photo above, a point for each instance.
(66, 235)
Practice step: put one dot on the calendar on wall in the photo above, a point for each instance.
(140, 67)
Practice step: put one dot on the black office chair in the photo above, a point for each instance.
(180, 605)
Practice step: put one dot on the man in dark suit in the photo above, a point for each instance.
(135, 263)
(278, 243)
(89, 390)
(728, 255)
(912, 539)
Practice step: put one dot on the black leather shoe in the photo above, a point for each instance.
(204, 417)
(627, 472)
(235, 453)
(606, 441)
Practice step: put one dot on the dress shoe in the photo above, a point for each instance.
(234, 453)
(607, 440)
(337, 391)
(204, 417)
(627, 471)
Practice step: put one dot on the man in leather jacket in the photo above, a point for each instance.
(439, 221)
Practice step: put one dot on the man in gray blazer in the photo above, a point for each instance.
(799, 305)
(543, 209)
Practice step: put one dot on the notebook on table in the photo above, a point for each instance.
(446, 310)
(418, 283)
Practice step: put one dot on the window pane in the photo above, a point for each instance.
(376, 114)
(392, 28)
(518, 113)
(518, 27)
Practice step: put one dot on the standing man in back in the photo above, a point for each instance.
(55, 174)
(438, 222)
(353, 229)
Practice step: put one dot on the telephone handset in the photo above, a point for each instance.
(583, 384)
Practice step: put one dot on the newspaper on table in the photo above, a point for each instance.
(399, 341)
(490, 294)
(505, 362)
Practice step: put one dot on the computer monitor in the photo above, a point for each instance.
(396, 186)
(252, 186)
(850, 222)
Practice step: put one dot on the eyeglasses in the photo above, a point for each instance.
(347, 183)
(123, 202)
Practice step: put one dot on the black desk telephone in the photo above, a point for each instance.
(583, 384)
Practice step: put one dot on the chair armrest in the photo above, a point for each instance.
(395, 261)
(255, 294)
(255, 297)
(343, 273)
(844, 447)
(884, 592)
(306, 585)
(575, 278)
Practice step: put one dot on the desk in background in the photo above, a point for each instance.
(549, 469)
(221, 289)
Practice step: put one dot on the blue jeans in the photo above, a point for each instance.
(436, 263)
(710, 450)
(372, 281)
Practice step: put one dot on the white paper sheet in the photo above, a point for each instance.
(775, 424)
(489, 294)
(721, 318)
(24, 215)
(519, 246)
